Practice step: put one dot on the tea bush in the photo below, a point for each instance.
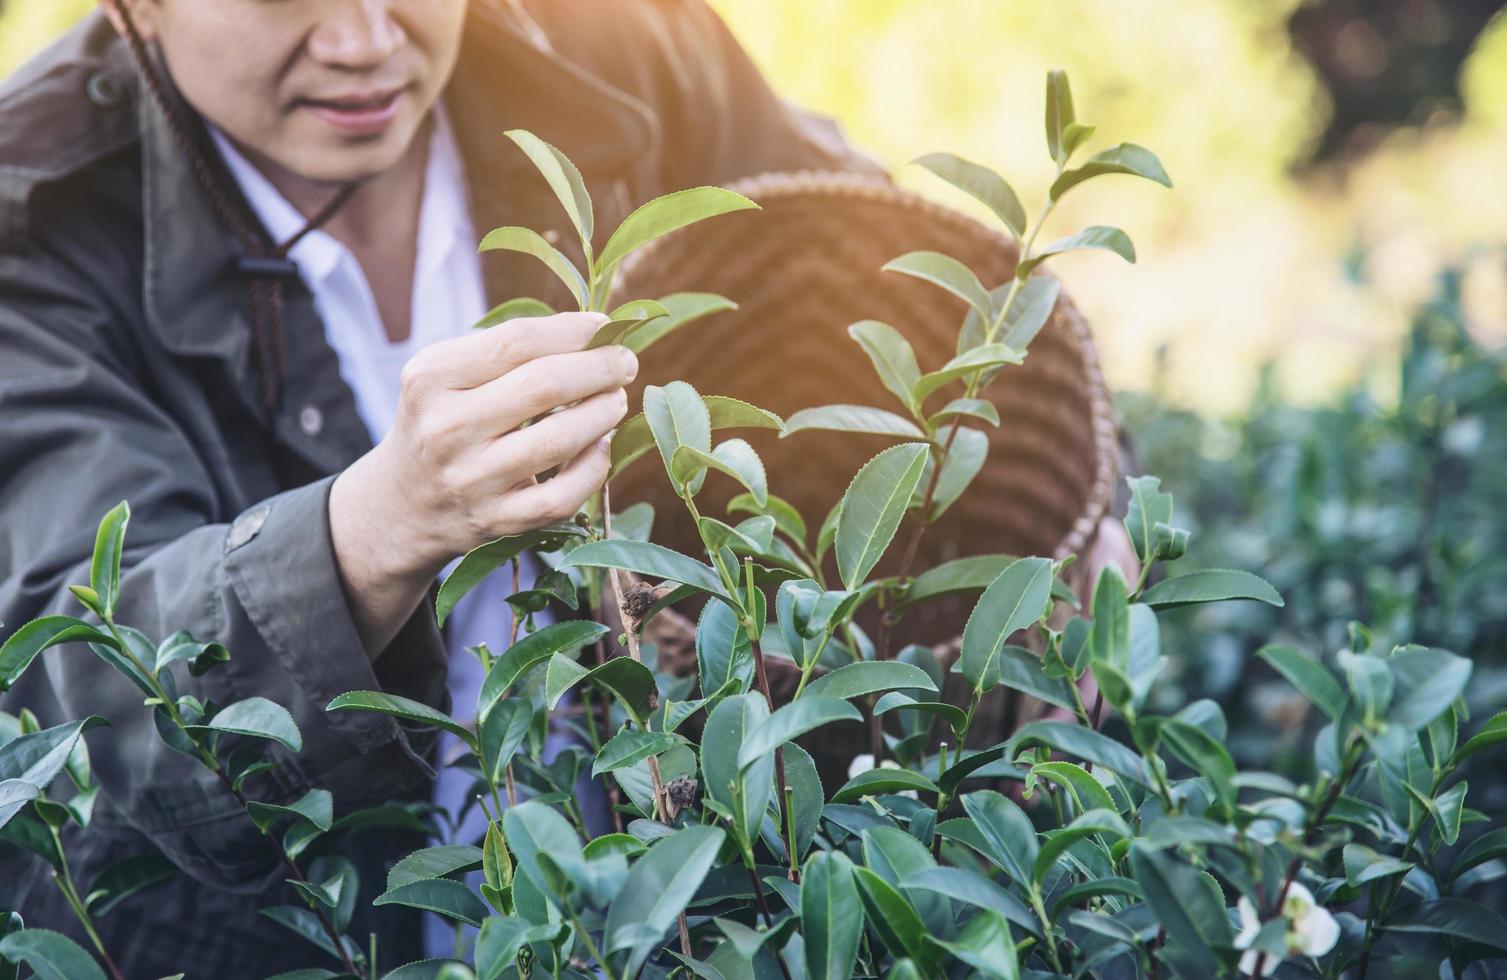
(1126, 842)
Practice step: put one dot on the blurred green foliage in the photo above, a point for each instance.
(1386, 512)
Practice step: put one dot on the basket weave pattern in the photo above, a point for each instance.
(802, 269)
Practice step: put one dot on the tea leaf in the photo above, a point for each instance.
(986, 945)
(1087, 792)
(1186, 901)
(792, 721)
(682, 309)
(1362, 864)
(629, 746)
(786, 517)
(730, 413)
(959, 575)
(1021, 670)
(970, 449)
(513, 309)
(1427, 682)
(23, 646)
(743, 793)
(625, 321)
(501, 731)
(891, 915)
(1210, 585)
(316, 807)
(563, 178)
(983, 184)
(259, 718)
(946, 272)
(200, 656)
(1098, 236)
(1006, 831)
(1059, 113)
(1030, 311)
(1494, 731)
(1016, 599)
(735, 457)
(872, 509)
(974, 889)
(852, 418)
(14, 795)
(481, 561)
(529, 242)
(122, 878)
(51, 955)
(1488, 847)
(1127, 158)
(627, 680)
(659, 886)
(1090, 824)
(857, 679)
(648, 559)
(900, 701)
(664, 215)
(1149, 506)
(807, 795)
(1309, 676)
(104, 567)
(433, 862)
(1457, 917)
(724, 653)
(893, 358)
(1085, 743)
(536, 647)
(1199, 750)
(401, 707)
(678, 417)
(960, 408)
(973, 361)
(533, 828)
(876, 782)
(449, 898)
(831, 916)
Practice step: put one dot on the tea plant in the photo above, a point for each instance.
(1115, 841)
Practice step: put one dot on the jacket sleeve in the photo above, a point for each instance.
(78, 433)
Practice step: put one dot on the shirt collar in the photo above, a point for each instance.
(444, 219)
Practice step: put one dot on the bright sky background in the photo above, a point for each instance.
(1239, 262)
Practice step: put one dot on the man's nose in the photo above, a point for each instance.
(356, 33)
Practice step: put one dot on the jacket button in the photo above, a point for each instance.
(310, 420)
(105, 90)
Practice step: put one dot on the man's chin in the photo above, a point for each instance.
(335, 158)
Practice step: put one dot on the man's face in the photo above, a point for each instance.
(328, 90)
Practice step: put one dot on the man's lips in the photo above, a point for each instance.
(358, 114)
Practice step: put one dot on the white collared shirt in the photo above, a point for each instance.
(448, 296)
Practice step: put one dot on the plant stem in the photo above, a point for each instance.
(591, 946)
(1315, 822)
(320, 912)
(210, 762)
(1393, 888)
(64, 879)
(795, 864)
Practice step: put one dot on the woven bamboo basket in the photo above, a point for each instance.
(802, 269)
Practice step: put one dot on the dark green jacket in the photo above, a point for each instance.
(127, 371)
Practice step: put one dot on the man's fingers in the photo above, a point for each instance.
(559, 497)
(545, 384)
(486, 355)
(557, 439)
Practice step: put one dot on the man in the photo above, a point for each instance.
(300, 418)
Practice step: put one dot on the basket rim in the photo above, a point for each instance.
(786, 184)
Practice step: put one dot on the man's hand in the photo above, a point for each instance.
(459, 468)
